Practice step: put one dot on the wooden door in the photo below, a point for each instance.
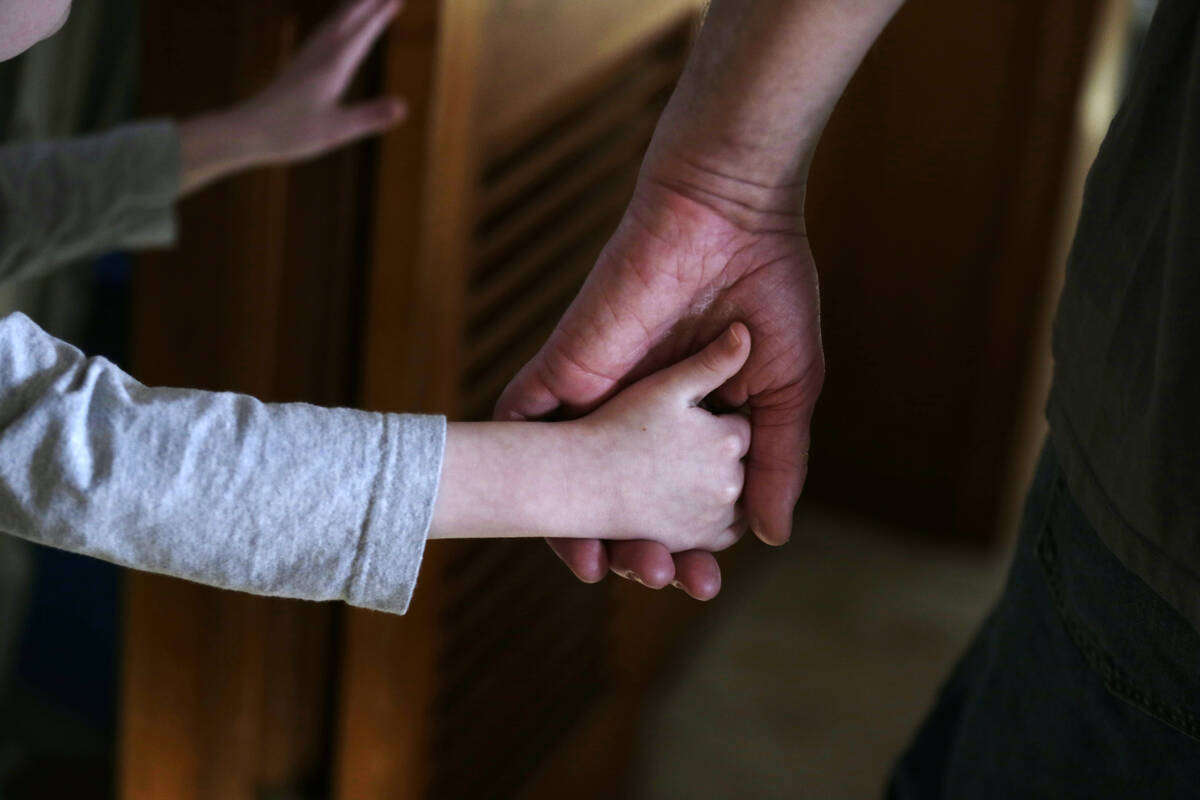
(227, 695)
(419, 273)
(414, 275)
(932, 207)
(504, 676)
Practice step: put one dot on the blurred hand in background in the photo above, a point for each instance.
(300, 115)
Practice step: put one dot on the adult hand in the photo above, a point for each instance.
(683, 264)
(300, 114)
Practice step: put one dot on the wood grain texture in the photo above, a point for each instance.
(363, 282)
(930, 204)
(414, 295)
(227, 695)
(539, 53)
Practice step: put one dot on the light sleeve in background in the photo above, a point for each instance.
(62, 200)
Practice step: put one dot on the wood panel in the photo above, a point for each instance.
(480, 245)
(227, 695)
(541, 52)
(483, 212)
(414, 294)
(931, 202)
(546, 203)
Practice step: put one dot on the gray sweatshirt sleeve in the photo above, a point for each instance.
(278, 499)
(62, 200)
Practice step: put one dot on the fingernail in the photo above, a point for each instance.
(683, 589)
(731, 337)
(633, 576)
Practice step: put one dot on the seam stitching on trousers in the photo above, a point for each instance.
(1115, 680)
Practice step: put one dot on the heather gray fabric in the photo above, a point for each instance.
(62, 200)
(278, 499)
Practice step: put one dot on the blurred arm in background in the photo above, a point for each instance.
(61, 200)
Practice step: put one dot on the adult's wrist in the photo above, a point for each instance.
(747, 191)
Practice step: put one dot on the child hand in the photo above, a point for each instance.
(648, 464)
(669, 470)
(300, 115)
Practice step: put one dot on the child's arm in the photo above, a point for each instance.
(300, 114)
(283, 499)
(67, 199)
(321, 503)
(649, 464)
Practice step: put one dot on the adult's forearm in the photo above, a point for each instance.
(759, 87)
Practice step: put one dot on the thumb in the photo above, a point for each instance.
(776, 467)
(366, 119)
(703, 373)
(526, 397)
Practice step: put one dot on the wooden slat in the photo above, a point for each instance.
(479, 635)
(473, 564)
(542, 55)
(554, 290)
(644, 86)
(544, 653)
(503, 279)
(415, 286)
(566, 193)
(504, 563)
(480, 396)
(485, 390)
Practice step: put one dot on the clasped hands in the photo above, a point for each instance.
(682, 267)
(688, 260)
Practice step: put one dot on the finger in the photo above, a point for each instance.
(730, 536)
(354, 47)
(776, 466)
(702, 373)
(351, 15)
(697, 574)
(366, 119)
(584, 557)
(525, 397)
(648, 563)
(323, 42)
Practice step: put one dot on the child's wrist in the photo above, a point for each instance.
(570, 486)
(507, 479)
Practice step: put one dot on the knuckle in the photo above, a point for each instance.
(729, 492)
